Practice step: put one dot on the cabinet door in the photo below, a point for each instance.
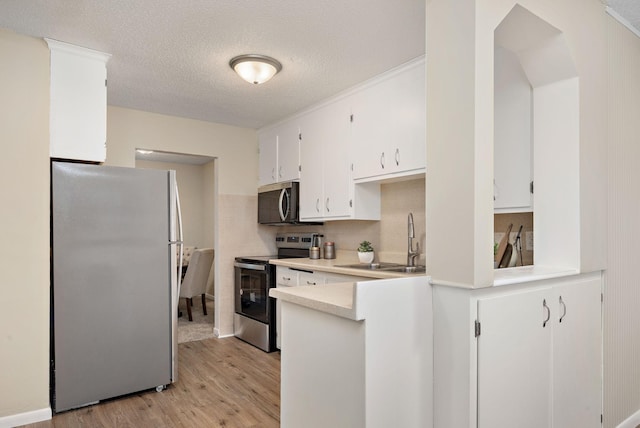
(336, 160)
(371, 131)
(389, 129)
(311, 173)
(514, 360)
(577, 354)
(289, 151)
(285, 277)
(311, 278)
(512, 134)
(268, 157)
(408, 146)
(78, 122)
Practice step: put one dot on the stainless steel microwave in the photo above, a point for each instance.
(278, 203)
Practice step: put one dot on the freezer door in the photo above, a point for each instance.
(111, 288)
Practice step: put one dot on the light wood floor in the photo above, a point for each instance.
(221, 383)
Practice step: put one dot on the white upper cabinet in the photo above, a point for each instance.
(279, 153)
(389, 125)
(325, 177)
(78, 111)
(268, 160)
(512, 134)
(289, 152)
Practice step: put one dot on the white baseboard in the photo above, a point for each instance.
(216, 333)
(26, 418)
(632, 421)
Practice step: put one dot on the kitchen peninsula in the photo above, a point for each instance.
(357, 353)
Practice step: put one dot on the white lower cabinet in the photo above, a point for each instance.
(524, 355)
(514, 360)
(288, 277)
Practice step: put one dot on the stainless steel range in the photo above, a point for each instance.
(255, 312)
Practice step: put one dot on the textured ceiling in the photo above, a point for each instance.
(627, 9)
(172, 56)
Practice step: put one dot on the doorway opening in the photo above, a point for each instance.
(196, 177)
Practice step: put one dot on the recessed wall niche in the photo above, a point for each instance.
(536, 133)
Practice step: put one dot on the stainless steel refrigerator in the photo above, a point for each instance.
(114, 282)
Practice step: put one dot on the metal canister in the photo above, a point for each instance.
(329, 250)
(314, 253)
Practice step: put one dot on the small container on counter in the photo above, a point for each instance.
(314, 253)
(329, 250)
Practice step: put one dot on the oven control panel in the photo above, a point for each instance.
(295, 240)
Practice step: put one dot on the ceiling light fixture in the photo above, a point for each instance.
(144, 152)
(255, 69)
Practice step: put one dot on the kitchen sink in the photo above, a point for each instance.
(386, 267)
(372, 266)
(407, 269)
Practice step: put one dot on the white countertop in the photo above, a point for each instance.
(336, 299)
(333, 265)
(523, 274)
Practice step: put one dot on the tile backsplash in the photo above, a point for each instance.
(389, 235)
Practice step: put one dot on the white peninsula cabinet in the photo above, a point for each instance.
(389, 125)
(279, 153)
(78, 113)
(356, 355)
(288, 277)
(525, 355)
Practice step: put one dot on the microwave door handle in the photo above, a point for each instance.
(284, 212)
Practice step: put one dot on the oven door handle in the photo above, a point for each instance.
(249, 266)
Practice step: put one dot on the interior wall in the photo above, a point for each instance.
(24, 255)
(196, 185)
(235, 213)
(622, 293)
(193, 191)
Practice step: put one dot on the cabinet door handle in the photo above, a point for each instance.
(286, 279)
(311, 283)
(280, 172)
(326, 205)
(273, 173)
(397, 157)
(544, 305)
(564, 309)
(317, 204)
(382, 160)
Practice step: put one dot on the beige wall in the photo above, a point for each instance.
(194, 194)
(24, 253)
(236, 148)
(622, 291)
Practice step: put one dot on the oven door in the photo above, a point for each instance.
(252, 290)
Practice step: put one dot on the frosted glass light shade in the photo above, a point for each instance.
(255, 69)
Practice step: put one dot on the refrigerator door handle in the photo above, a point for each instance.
(180, 239)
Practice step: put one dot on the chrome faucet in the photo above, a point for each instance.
(411, 255)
